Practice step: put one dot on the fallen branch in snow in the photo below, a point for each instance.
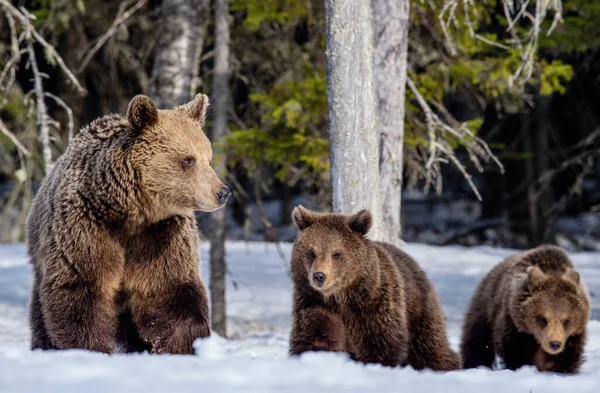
(479, 226)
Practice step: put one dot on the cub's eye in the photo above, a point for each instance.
(337, 255)
(312, 255)
(211, 162)
(566, 323)
(542, 321)
(188, 162)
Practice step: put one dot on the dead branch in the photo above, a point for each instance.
(41, 111)
(439, 149)
(67, 109)
(203, 11)
(122, 16)
(23, 18)
(13, 139)
(447, 16)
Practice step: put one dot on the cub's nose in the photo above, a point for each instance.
(319, 278)
(223, 195)
(554, 345)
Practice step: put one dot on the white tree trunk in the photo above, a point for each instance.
(220, 102)
(353, 136)
(177, 44)
(390, 33)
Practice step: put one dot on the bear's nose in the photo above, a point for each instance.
(319, 278)
(554, 345)
(223, 195)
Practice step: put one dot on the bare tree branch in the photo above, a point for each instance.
(122, 16)
(439, 149)
(41, 111)
(447, 15)
(13, 139)
(23, 19)
(67, 109)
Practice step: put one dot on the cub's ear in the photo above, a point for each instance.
(303, 218)
(361, 222)
(141, 112)
(573, 275)
(535, 277)
(196, 109)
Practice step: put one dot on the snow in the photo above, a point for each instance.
(254, 358)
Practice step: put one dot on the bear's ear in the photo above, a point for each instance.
(303, 218)
(573, 275)
(360, 222)
(141, 112)
(196, 109)
(535, 277)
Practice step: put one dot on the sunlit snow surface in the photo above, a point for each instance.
(255, 358)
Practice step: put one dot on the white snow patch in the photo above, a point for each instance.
(256, 359)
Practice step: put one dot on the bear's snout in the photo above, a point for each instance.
(555, 345)
(223, 195)
(319, 278)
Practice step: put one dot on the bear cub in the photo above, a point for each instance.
(112, 234)
(531, 309)
(366, 298)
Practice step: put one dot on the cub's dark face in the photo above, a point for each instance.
(330, 251)
(174, 157)
(553, 308)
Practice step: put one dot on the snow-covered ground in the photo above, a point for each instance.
(254, 359)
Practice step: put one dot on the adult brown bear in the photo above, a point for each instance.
(112, 234)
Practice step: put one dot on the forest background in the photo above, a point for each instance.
(500, 124)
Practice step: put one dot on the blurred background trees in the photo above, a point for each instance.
(480, 86)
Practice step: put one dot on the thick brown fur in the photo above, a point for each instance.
(375, 304)
(113, 239)
(526, 302)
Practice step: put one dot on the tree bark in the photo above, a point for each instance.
(175, 54)
(204, 17)
(353, 136)
(390, 33)
(546, 222)
(220, 102)
(530, 177)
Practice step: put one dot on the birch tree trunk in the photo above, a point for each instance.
(390, 33)
(353, 136)
(175, 54)
(220, 101)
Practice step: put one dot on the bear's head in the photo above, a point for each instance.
(172, 157)
(551, 306)
(331, 250)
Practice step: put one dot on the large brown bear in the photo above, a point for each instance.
(531, 309)
(366, 298)
(112, 234)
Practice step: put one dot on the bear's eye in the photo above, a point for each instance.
(188, 162)
(312, 255)
(542, 321)
(337, 255)
(566, 323)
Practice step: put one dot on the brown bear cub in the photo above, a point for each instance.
(531, 309)
(112, 234)
(366, 298)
